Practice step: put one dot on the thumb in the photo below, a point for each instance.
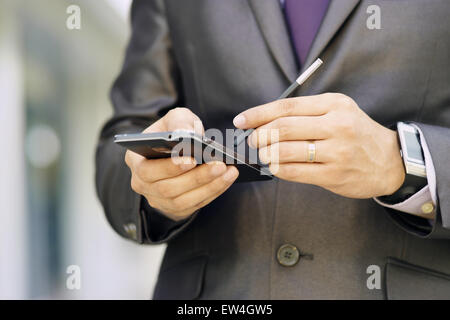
(183, 119)
(158, 126)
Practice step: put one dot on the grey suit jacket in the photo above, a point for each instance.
(221, 57)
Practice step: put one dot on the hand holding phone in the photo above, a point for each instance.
(178, 188)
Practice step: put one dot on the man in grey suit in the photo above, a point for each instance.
(343, 218)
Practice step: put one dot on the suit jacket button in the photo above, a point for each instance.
(288, 255)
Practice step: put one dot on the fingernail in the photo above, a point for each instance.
(239, 121)
(230, 175)
(218, 169)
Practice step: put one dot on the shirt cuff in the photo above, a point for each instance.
(423, 202)
(157, 228)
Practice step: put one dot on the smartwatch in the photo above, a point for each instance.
(414, 163)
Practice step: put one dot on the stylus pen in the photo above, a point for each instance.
(297, 83)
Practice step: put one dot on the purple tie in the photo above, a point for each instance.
(304, 18)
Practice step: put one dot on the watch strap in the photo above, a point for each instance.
(411, 185)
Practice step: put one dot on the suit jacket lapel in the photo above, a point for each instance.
(272, 24)
(270, 19)
(337, 13)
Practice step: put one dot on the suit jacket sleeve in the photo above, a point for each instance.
(146, 88)
(438, 141)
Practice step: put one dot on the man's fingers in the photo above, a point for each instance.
(158, 169)
(183, 119)
(208, 200)
(177, 119)
(289, 129)
(300, 106)
(197, 177)
(310, 173)
(296, 151)
(157, 126)
(197, 196)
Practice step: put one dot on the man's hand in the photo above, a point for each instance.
(355, 156)
(177, 186)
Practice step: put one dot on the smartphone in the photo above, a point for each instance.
(202, 149)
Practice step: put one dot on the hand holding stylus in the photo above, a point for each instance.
(297, 83)
(328, 141)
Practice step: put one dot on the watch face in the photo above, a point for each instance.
(413, 147)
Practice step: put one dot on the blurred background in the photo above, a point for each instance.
(54, 85)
